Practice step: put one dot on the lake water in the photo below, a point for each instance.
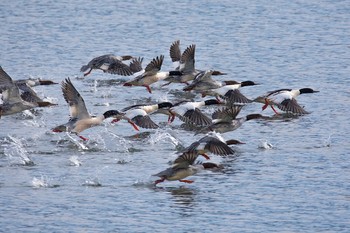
(302, 184)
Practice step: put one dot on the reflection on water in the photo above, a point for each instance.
(183, 199)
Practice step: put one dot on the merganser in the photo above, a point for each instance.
(203, 81)
(105, 62)
(189, 112)
(12, 102)
(25, 88)
(139, 114)
(231, 92)
(182, 168)
(225, 120)
(151, 75)
(285, 100)
(212, 143)
(185, 71)
(34, 82)
(80, 119)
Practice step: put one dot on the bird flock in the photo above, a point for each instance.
(224, 96)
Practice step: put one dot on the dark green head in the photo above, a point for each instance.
(111, 113)
(46, 82)
(248, 83)
(253, 116)
(209, 165)
(127, 57)
(233, 142)
(165, 105)
(211, 102)
(307, 90)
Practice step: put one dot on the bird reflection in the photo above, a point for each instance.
(184, 198)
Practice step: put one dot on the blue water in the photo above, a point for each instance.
(53, 183)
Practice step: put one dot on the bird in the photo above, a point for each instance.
(203, 81)
(230, 92)
(139, 114)
(212, 143)
(285, 100)
(31, 82)
(80, 119)
(183, 167)
(225, 120)
(12, 101)
(151, 74)
(109, 63)
(185, 64)
(189, 112)
(25, 88)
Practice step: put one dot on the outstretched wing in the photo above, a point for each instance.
(185, 159)
(291, 105)
(76, 103)
(235, 96)
(119, 68)
(145, 122)
(10, 92)
(228, 113)
(195, 117)
(175, 52)
(136, 64)
(216, 146)
(155, 65)
(187, 59)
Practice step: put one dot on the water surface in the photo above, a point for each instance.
(54, 183)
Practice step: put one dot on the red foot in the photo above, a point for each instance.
(172, 118)
(86, 74)
(85, 139)
(187, 181)
(169, 119)
(159, 181)
(266, 104)
(274, 110)
(148, 89)
(133, 125)
(219, 100)
(115, 120)
(56, 131)
(205, 156)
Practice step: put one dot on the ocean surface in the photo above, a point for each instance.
(54, 182)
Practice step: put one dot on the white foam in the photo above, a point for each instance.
(264, 144)
(75, 161)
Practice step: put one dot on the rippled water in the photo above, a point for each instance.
(54, 182)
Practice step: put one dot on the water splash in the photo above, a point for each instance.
(264, 144)
(74, 161)
(28, 114)
(92, 182)
(125, 144)
(142, 183)
(76, 142)
(94, 88)
(16, 152)
(328, 142)
(163, 136)
(43, 182)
